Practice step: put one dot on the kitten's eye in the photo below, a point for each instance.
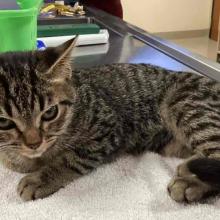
(6, 124)
(50, 114)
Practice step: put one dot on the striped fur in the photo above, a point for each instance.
(103, 112)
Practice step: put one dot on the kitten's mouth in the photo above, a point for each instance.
(34, 153)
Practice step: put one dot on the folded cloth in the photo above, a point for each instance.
(132, 188)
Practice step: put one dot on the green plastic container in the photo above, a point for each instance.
(18, 28)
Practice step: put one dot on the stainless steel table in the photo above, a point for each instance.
(130, 44)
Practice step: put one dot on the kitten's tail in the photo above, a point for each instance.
(207, 170)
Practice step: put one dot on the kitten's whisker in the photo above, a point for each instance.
(50, 140)
(4, 145)
(7, 147)
(68, 146)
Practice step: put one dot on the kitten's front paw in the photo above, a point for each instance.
(187, 187)
(184, 190)
(34, 186)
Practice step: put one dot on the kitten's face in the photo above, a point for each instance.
(35, 99)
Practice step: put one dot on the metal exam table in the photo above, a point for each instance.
(130, 44)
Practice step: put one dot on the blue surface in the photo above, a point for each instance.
(41, 45)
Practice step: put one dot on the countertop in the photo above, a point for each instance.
(130, 44)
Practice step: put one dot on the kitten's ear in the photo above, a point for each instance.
(54, 62)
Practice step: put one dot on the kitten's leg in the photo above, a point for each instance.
(20, 163)
(44, 182)
(196, 178)
(51, 178)
(194, 119)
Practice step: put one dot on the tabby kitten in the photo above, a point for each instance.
(57, 124)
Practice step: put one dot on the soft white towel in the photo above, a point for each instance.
(129, 189)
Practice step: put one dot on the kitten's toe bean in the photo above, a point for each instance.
(194, 193)
(31, 187)
(177, 189)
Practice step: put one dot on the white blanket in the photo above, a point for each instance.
(129, 189)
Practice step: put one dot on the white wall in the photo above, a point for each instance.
(168, 15)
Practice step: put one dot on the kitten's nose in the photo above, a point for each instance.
(32, 138)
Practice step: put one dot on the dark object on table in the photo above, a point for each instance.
(113, 7)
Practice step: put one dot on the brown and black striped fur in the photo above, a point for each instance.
(57, 124)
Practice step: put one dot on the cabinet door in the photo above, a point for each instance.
(215, 20)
